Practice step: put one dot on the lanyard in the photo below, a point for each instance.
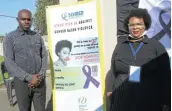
(138, 48)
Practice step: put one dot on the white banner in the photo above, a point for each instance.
(75, 45)
(160, 11)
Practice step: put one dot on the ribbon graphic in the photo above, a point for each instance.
(166, 27)
(89, 77)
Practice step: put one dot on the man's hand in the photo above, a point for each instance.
(36, 79)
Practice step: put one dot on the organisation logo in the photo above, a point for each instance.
(72, 15)
(82, 103)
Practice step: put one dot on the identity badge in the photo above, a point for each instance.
(135, 73)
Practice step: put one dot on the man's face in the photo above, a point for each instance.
(25, 20)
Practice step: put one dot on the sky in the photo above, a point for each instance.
(11, 8)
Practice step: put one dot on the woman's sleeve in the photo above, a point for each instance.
(164, 74)
(110, 77)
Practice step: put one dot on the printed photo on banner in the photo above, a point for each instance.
(75, 52)
(62, 51)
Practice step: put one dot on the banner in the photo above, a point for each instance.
(75, 44)
(160, 12)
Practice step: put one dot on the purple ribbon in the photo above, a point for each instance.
(89, 77)
(161, 23)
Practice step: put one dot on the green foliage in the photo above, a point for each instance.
(40, 15)
(1, 78)
(1, 38)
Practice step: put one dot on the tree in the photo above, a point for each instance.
(39, 22)
(1, 38)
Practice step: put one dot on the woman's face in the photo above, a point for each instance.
(136, 26)
(64, 54)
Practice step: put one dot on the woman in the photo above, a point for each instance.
(141, 68)
(62, 50)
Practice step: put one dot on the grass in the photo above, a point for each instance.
(1, 78)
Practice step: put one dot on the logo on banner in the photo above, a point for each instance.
(82, 102)
(72, 15)
(64, 16)
(94, 41)
(87, 71)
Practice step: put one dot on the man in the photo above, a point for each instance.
(26, 59)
